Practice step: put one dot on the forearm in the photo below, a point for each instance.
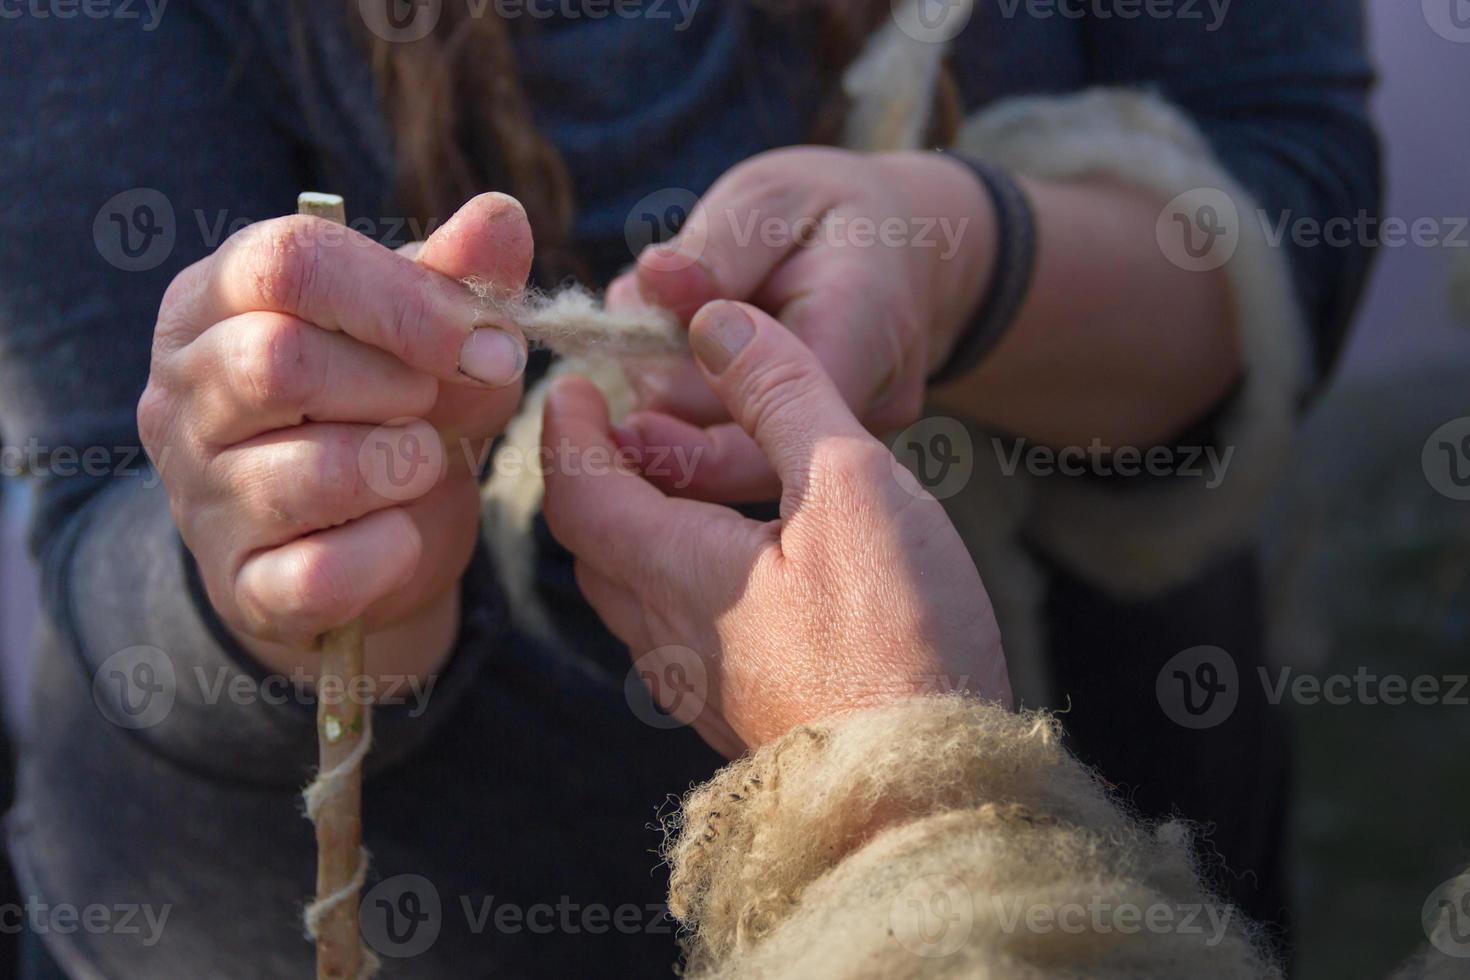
(1114, 342)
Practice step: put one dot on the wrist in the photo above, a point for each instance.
(953, 223)
(1015, 243)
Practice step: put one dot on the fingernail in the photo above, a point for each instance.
(719, 335)
(491, 356)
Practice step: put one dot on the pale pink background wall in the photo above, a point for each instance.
(1422, 112)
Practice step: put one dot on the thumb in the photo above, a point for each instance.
(774, 387)
(489, 240)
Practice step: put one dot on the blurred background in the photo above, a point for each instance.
(1370, 560)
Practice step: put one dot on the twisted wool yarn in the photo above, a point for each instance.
(574, 324)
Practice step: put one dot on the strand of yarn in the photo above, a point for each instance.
(330, 783)
(573, 323)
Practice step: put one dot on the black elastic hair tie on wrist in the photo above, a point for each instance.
(1010, 283)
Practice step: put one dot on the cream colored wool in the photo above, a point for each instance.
(802, 860)
(573, 323)
(591, 340)
(890, 86)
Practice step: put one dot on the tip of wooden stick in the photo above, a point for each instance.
(318, 199)
(329, 206)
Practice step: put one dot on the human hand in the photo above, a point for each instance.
(294, 371)
(862, 592)
(875, 261)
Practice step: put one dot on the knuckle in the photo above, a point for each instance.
(403, 545)
(774, 389)
(181, 288)
(283, 260)
(178, 299)
(410, 318)
(327, 484)
(336, 469)
(307, 487)
(227, 599)
(154, 415)
(314, 591)
(271, 368)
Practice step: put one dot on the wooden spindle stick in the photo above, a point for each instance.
(334, 799)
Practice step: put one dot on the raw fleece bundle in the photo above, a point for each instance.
(937, 838)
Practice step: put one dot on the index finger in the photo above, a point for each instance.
(610, 517)
(338, 279)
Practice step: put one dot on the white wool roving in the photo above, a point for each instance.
(573, 323)
(592, 341)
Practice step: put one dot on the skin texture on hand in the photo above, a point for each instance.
(875, 261)
(297, 374)
(1114, 343)
(862, 591)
